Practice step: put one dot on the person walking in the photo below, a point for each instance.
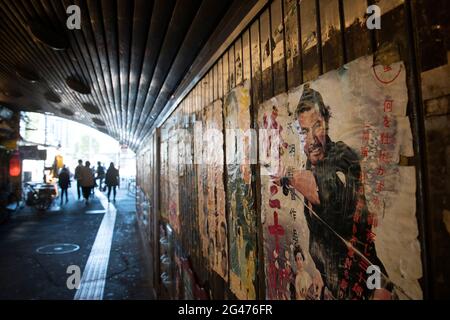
(100, 175)
(64, 183)
(87, 181)
(78, 177)
(112, 181)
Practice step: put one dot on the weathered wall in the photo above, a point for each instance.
(434, 65)
(206, 221)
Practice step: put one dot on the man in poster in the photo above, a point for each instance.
(341, 240)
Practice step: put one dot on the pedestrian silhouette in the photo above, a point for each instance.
(78, 177)
(112, 180)
(100, 175)
(64, 183)
(87, 181)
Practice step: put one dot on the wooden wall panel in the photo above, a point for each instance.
(309, 43)
(332, 46)
(267, 46)
(293, 52)
(357, 36)
(279, 47)
(226, 74)
(238, 61)
(257, 96)
(247, 66)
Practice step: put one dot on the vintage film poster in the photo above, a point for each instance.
(212, 217)
(280, 214)
(173, 180)
(201, 203)
(164, 176)
(241, 215)
(335, 200)
(201, 174)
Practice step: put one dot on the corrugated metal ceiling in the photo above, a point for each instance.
(119, 71)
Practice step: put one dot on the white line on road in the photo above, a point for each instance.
(93, 280)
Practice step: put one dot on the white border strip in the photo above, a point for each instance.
(93, 281)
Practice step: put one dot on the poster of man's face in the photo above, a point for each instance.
(340, 138)
(313, 124)
(313, 133)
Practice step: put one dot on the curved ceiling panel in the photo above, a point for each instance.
(124, 64)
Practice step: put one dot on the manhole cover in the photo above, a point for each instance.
(96, 212)
(62, 248)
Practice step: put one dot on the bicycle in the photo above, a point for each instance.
(40, 195)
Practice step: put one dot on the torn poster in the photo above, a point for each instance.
(174, 204)
(242, 214)
(212, 218)
(331, 181)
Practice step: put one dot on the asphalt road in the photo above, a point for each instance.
(26, 274)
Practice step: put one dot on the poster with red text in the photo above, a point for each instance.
(338, 208)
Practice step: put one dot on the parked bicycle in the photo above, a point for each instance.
(40, 195)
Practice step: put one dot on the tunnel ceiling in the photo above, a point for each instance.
(119, 71)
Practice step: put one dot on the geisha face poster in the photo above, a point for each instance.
(241, 215)
(336, 205)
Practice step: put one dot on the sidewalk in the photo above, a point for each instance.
(26, 274)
